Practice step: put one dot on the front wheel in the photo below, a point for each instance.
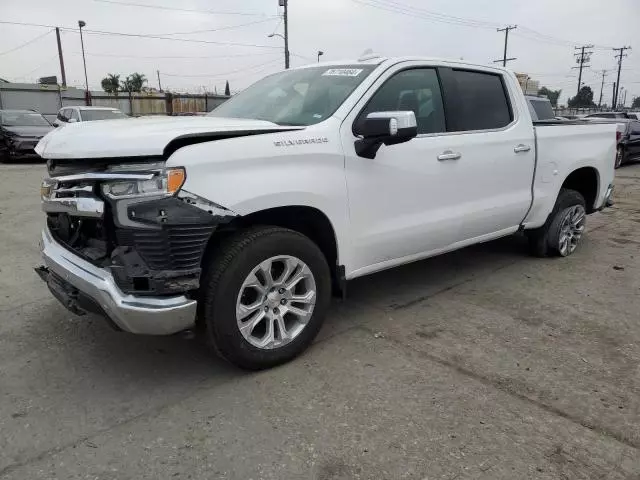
(264, 297)
(562, 232)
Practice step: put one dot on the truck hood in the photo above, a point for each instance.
(141, 137)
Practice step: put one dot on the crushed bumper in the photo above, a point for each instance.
(81, 287)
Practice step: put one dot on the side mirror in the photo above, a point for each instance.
(72, 120)
(389, 128)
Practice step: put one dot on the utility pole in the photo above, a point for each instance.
(604, 74)
(613, 97)
(506, 41)
(159, 84)
(62, 72)
(582, 58)
(285, 4)
(620, 56)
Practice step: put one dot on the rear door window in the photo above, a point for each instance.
(477, 101)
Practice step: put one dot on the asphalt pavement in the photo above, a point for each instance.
(480, 364)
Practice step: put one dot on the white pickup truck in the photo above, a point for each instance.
(244, 223)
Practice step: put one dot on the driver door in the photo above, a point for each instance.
(403, 203)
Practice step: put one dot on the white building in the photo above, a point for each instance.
(529, 85)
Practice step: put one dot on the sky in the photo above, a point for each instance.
(214, 40)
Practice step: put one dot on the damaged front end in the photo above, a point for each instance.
(135, 221)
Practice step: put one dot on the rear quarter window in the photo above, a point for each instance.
(543, 109)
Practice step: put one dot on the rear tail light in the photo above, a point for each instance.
(618, 136)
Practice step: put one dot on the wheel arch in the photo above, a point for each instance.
(586, 181)
(307, 220)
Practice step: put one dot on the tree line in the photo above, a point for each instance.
(134, 83)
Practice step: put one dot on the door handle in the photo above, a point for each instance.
(449, 155)
(521, 148)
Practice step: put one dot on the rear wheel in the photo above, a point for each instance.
(563, 230)
(264, 297)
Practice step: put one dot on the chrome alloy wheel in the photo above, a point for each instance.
(571, 229)
(276, 302)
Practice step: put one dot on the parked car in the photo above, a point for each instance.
(20, 131)
(629, 144)
(241, 224)
(86, 114)
(625, 149)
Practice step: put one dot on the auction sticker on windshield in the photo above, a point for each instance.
(343, 72)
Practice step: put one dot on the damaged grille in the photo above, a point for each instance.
(87, 237)
(178, 247)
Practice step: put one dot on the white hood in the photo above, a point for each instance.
(138, 136)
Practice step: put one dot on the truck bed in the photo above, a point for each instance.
(560, 151)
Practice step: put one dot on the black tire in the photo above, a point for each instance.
(544, 241)
(223, 278)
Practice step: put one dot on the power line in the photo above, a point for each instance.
(443, 16)
(230, 27)
(161, 7)
(403, 9)
(175, 57)
(24, 24)
(220, 74)
(418, 14)
(27, 43)
(142, 35)
(46, 62)
(160, 37)
(535, 35)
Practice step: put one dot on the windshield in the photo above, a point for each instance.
(90, 115)
(296, 97)
(22, 119)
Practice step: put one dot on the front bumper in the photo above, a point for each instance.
(83, 281)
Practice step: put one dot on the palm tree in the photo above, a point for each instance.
(137, 81)
(126, 85)
(111, 83)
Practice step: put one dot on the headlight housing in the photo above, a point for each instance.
(166, 182)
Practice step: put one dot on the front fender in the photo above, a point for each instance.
(250, 174)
